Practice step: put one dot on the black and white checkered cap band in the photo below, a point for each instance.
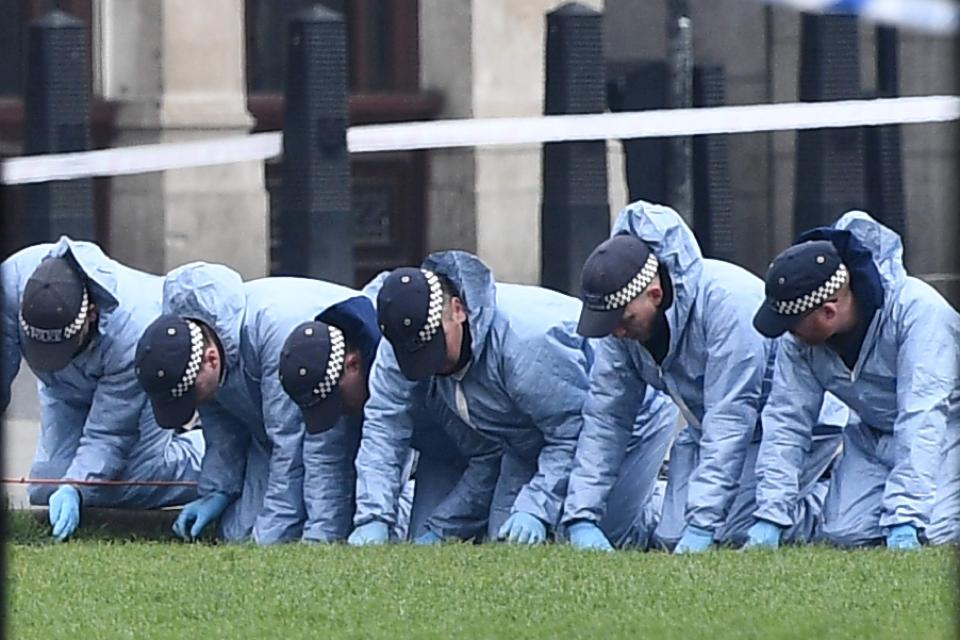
(53, 336)
(635, 287)
(193, 364)
(338, 352)
(816, 297)
(434, 308)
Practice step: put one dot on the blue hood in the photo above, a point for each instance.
(867, 247)
(212, 294)
(872, 252)
(474, 280)
(357, 318)
(675, 246)
(107, 284)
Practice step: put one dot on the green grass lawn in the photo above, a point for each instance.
(95, 588)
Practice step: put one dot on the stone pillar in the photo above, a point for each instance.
(446, 65)
(177, 69)
(487, 199)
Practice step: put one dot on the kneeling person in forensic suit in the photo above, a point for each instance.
(75, 315)
(888, 345)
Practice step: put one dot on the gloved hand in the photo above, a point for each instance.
(523, 528)
(584, 534)
(196, 515)
(428, 538)
(64, 511)
(374, 532)
(694, 540)
(763, 533)
(902, 536)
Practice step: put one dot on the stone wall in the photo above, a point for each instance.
(149, 63)
(487, 59)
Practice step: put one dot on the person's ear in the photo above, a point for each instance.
(458, 310)
(655, 293)
(829, 310)
(211, 356)
(353, 362)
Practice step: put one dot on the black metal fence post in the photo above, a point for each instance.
(315, 225)
(680, 76)
(713, 215)
(642, 86)
(885, 194)
(57, 106)
(830, 162)
(575, 211)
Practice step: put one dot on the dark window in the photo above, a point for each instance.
(376, 45)
(381, 35)
(12, 42)
(266, 42)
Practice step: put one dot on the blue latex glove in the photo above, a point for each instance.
(763, 534)
(64, 511)
(694, 540)
(374, 532)
(902, 536)
(584, 534)
(196, 515)
(523, 528)
(427, 538)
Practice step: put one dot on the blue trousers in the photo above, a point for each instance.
(855, 502)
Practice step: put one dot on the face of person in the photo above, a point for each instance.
(454, 315)
(639, 316)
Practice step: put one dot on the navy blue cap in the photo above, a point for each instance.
(798, 281)
(167, 363)
(311, 364)
(53, 311)
(617, 271)
(409, 311)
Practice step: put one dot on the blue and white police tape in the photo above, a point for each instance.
(483, 132)
(941, 17)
